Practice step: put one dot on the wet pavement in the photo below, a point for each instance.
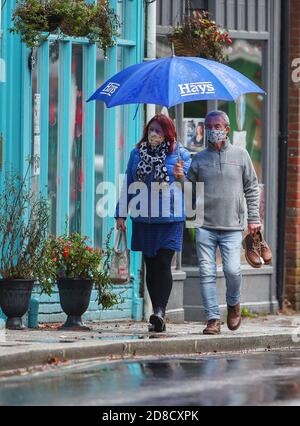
(260, 378)
(122, 339)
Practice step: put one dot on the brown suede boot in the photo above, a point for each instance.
(252, 251)
(265, 250)
(213, 327)
(234, 317)
(257, 251)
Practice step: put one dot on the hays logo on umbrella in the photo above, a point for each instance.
(110, 89)
(202, 88)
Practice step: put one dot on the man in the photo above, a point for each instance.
(228, 175)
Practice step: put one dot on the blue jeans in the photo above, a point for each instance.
(207, 241)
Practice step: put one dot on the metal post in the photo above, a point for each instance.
(283, 148)
(150, 45)
(179, 131)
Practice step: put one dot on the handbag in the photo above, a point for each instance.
(120, 260)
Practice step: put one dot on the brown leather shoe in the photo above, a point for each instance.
(213, 327)
(234, 317)
(265, 250)
(252, 247)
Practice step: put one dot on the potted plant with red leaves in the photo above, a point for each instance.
(24, 220)
(76, 267)
(200, 36)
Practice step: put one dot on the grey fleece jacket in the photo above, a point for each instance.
(228, 177)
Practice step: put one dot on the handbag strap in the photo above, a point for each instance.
(120, 235)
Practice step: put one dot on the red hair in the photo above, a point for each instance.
(167, 126)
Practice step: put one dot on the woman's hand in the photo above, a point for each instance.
(178, 170)
(121, 224)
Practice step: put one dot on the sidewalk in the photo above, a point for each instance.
(117, 339)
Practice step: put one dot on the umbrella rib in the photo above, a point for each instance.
(128, 82)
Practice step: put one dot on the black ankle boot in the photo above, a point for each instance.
(157, 320)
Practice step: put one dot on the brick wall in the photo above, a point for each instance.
(292, 262)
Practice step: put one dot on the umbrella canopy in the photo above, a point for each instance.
(174, 80)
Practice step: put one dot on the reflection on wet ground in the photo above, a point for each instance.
(232, 379)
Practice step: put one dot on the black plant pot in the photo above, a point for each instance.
(74, 295)
(14, 301)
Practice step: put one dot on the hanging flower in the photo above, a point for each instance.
(34, 20)
(200, 36)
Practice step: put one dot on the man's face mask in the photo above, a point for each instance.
(154, 138)
(215, 136)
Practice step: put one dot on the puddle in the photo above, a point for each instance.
(231, 379)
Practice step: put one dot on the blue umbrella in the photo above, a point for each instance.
(174, 80)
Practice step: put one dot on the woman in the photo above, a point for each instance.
(159, 232)
(197, 141)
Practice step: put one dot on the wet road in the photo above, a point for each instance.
(259, 378)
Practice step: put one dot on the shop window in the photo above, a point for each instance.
(246, 119)
(163, 47)
(99, 142)
(35, 141)
(120, 13)
(76, 120)
(120, 127)
(246, 116)
(53, 133)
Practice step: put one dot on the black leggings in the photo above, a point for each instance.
(159, 277)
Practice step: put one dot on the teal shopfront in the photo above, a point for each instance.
(80, 145)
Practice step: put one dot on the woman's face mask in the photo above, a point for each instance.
(155, 134)
(154, 139)
(216, 136)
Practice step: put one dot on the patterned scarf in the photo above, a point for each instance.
(153, 157)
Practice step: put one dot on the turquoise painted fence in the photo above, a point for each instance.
(16, 117)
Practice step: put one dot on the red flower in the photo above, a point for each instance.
(229, 41)
(54, 259)
(258, 122)
(66, 251)
(89, 249)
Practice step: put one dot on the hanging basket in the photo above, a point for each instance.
(200, 36)
(181, 48)
(34, 20)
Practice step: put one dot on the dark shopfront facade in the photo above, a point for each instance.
(254, 27)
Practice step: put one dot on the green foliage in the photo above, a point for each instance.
(98, 22)
(24, 219)
(247, 314)
(200, 36)
(70, 256)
